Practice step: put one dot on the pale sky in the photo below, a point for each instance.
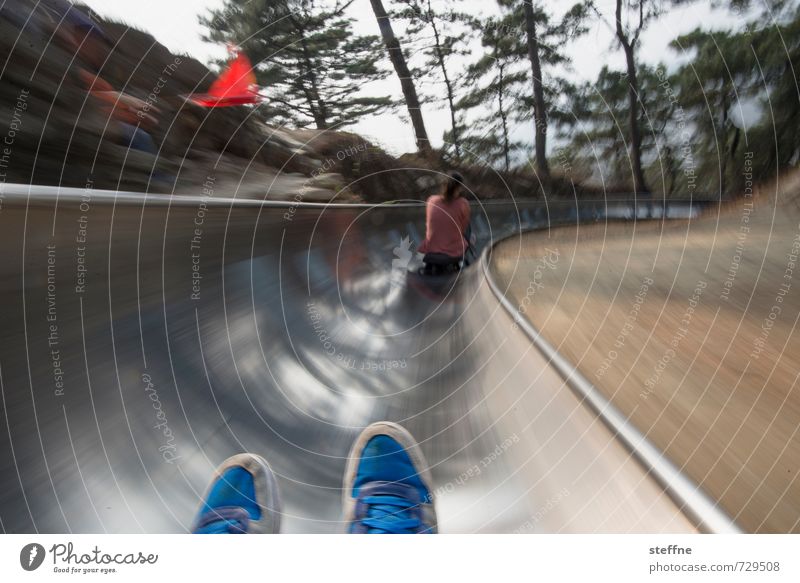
(174, 23)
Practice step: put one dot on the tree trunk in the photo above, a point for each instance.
(734, 145)
(316, 104)
(672, 170)
(447, 82)
(639, 184)
(723, 158)
(539, 111)
(503, 117)
(406, 81)
(315, 101)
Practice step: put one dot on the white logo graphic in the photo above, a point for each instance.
(403, 254)
(31, 556)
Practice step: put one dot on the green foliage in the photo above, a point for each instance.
(439, 34)
(307, 56)
(729, 74)
(695, 129)
(498, 85)
(496, 82)
(599, 129)
(711, 89)
(699, 133)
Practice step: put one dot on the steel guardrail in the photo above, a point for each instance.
(690, 498)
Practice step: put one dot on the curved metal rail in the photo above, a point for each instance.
(701, 509)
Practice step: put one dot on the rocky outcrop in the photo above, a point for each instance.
(55, 133)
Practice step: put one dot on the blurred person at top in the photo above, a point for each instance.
(83, 37)
(446, 221)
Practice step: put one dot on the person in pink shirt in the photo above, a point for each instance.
(446, 221)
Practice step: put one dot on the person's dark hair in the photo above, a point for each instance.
(454, 181)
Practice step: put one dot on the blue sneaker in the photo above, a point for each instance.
(387, 484)
(241, 499)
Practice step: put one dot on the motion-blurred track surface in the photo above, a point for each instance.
(199, 330)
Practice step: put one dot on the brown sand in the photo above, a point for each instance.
(690, 328)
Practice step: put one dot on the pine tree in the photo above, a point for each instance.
(601, 126)
(778, 50)
(697, 136)
(731, 70)
(440, 33)
(398, 59)
(496, 80)
(711, 91)
(298, 46)
(628, 40)
(540, 40)
(539, 109)
(511, 31)
(630, 19)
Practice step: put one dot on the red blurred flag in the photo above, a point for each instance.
(236, 85)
